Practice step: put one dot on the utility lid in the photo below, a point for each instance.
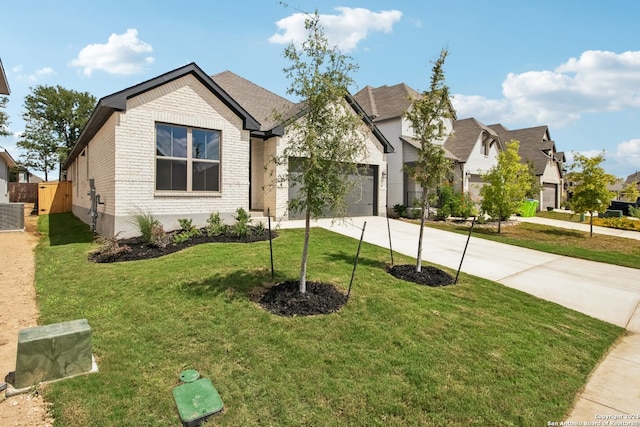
(197, 399)
(189, 376)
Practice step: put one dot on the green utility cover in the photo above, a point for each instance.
(52, 352)
(197, 400)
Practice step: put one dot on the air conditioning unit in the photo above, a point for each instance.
(11, 216)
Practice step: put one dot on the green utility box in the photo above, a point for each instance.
(196, 399)
(53, 352)
(529, 208)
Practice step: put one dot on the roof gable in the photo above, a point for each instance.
(107, 105)
(464, 136)
(385, 102)
(536, 145)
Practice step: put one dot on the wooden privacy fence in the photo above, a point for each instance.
(54, 197)
(23, 192)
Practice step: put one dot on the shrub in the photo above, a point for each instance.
(400, 210)
(259, 228)
(622, 223)
(215, 226)
(150, 229)
(187, 230)
(242, 226)
(634, 212)
(454, 203)
(110, 248)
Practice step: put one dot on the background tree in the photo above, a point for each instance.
(4, 117)
(325, 143)
(41, 152)
(591, 193)
(54, 116)
(630, 192)
(506, 185)
(427, 115)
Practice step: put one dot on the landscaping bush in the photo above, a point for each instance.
(454, 203)
(187, 231)
(215, 226)
(400, 210)
(151, 229)
(634, 212)
(622, 223)
(243, 220)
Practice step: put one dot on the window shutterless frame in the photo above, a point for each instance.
(187, 159)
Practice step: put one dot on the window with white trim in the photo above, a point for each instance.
(187, 159)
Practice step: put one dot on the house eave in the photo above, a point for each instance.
(118, 102)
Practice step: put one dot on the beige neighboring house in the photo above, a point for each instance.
(470, 145)
(186, 144)
(385, 106)
(634, 177)
(536, 146)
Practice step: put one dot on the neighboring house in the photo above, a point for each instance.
(386, 105)
(475, 147)
(536, 146)
(634, 177)
(6, 163)
(4, 85)
(22, 175)
(185, 145)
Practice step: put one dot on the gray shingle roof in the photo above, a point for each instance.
(464, 135)
(535, 144)
(385, 102)
(258, 101)
(634, 177)
(416, 143)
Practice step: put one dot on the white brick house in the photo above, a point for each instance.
(184, 145)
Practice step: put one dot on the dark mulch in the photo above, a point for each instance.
(285, 299)
(133, 249)
(430, 276)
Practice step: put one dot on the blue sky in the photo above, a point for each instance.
(573, 65)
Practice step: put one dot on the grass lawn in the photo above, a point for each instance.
(573, 243)
(397, 354)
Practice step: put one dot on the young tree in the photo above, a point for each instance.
(590, 193)
(506, 185)
(55, 114)
(427, 115)
(630, 192)
(325, 142)
(4, 117)
(41, 151)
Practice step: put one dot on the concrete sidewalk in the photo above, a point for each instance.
(606, 292)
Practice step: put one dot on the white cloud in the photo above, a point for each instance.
(345, 30)
(628, 153)
(123, 54)
(32, 77)
(597, 81)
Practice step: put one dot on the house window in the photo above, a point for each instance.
(187, 159)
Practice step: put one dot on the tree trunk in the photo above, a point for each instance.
(305, 252)
(423, 206)
(591, 224)
(499, 224)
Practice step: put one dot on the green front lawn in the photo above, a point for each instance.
(397, 354)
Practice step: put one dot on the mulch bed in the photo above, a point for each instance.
(429, 276)
(139, 250)
(285, 299)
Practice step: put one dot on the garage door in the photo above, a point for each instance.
(549, 196)
(361, 200)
